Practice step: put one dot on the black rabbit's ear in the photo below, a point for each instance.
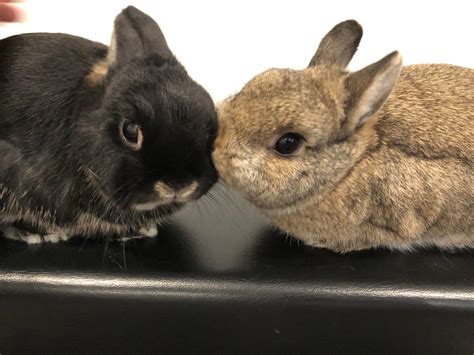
(136, 35)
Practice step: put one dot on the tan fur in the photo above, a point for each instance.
(188, 191)
(403, 179)
(167, 194)
(98, 73)
(165, 191)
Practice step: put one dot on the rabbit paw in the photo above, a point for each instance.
(55, 237)
(33, 238)
(149, 231)
(21, 235)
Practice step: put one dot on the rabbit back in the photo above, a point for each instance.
(430, 112)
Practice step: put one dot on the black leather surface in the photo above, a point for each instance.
(217, 280)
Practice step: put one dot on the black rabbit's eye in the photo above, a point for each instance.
(130, 131)
(132, 134)
(288, 144)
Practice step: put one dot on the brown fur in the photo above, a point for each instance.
(400, 179)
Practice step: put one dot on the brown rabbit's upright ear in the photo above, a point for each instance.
(339, 45)
(369, 88)
(135, 35)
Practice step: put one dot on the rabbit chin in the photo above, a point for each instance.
(149, 206)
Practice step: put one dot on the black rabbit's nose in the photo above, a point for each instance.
(179, 193)
(164, 194)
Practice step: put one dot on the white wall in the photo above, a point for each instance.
(225, 43)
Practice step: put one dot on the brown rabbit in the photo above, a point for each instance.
(381, 157)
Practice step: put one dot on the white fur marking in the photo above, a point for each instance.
(150, 205)
(55, 237)
(150, 231)
(32, 239)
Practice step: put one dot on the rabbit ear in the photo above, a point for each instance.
(339, 45)
(136, 34)
(369, 88)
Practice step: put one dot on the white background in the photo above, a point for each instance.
(225, 43)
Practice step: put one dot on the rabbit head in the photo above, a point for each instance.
(148, 142)
(290, 135)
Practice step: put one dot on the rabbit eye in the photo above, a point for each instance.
(132, 134)
(289, 144)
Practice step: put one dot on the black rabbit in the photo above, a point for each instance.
(97, 140)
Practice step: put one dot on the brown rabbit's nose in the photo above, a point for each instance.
(181, 194)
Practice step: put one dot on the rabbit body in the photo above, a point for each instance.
(414, 184)
(66, 103)
(386, 158)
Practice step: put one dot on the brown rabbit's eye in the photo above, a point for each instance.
(288, 144)
(132, 134)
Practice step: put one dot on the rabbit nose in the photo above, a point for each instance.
(180, 194)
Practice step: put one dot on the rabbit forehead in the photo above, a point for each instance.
(308, 101)
(163, 96)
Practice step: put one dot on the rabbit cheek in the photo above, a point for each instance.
(225, 159)
(236, 171)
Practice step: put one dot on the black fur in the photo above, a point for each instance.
(61, 154)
